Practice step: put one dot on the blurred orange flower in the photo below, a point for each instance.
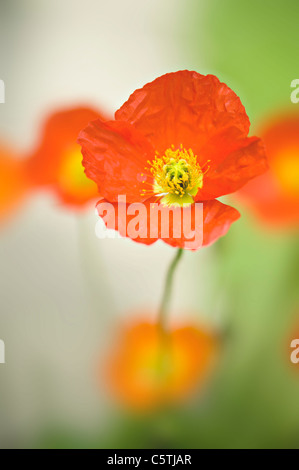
(13, 182)
(56, 163)
(274, 196)
(150, 368)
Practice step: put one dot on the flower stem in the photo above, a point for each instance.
(167, 290)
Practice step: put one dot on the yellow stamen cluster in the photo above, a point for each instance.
(177, 176)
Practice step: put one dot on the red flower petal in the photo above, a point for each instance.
(185, 108)
(275, 196)
(247, 161)
(263, 196)
(115, 155)
(13, 182)
(187, 228)
(57, 161)
(281, 133)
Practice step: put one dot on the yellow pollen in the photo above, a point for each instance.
(177, 176)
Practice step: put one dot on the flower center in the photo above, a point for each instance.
(177, 176)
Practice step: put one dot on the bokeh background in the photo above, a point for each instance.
(64, 292)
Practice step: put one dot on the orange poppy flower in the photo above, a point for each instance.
(13, 182)
(179, 140)
(148, 369)
(57, 162)
(274, 196)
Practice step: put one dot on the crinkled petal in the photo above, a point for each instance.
(238, 166)
(115, 155)
(185, 108)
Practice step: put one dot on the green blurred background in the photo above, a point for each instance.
(63, 291)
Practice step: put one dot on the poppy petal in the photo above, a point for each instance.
(264, 197)
(185, 108)
(189, 227)
(13, 182)
(114, 156)
(274, 196)
(247, 161)
(56, 163)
